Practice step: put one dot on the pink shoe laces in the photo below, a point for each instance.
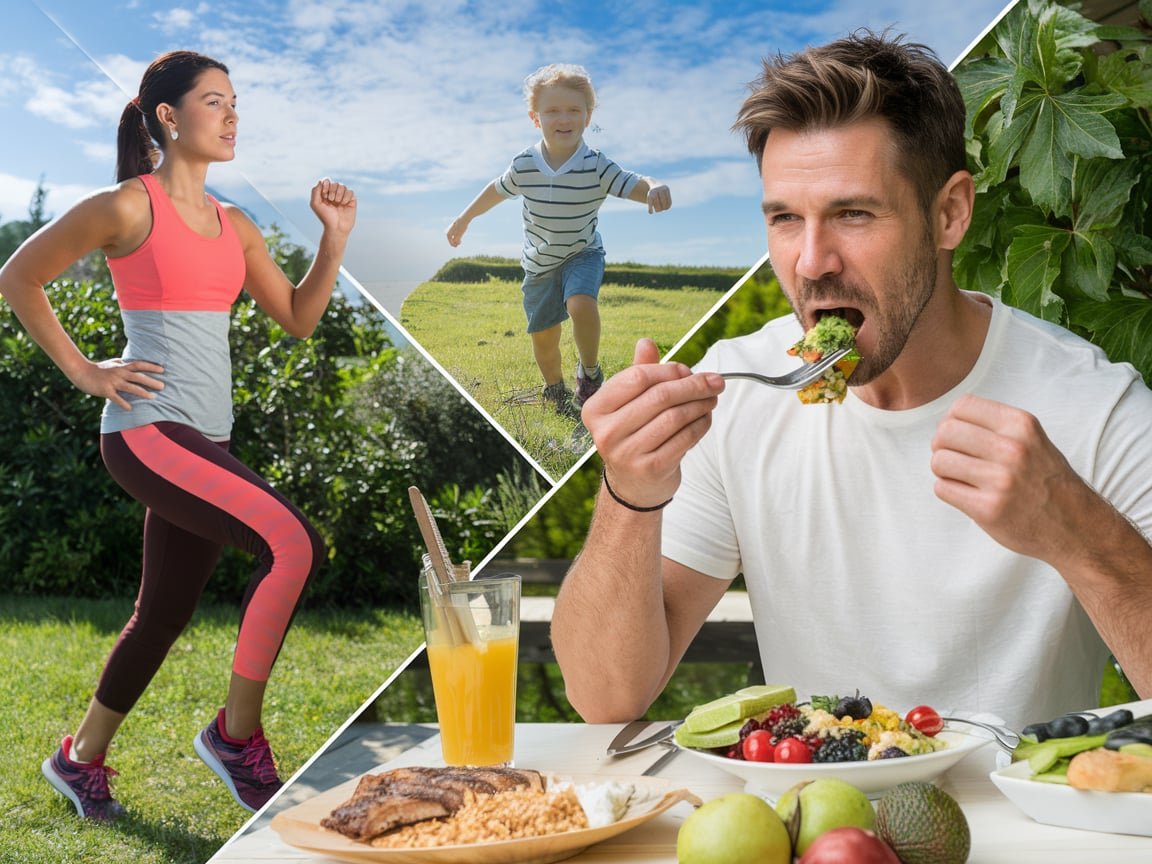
(96, 774)
(258, 757)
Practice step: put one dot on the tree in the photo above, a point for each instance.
(12, 234)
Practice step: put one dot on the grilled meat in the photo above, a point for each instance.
(403, 796)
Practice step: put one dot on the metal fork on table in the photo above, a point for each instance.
(1005, 737)
(797, 379)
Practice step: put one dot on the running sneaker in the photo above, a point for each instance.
(246, 767)
(587, 385)
(85, 784)
(560, 398)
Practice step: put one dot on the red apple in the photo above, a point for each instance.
(849, 846)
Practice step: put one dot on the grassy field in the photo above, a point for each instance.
(178, 811)
(476, 332)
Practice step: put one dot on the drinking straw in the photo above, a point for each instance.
(457, 619)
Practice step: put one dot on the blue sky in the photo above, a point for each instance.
(418, 105)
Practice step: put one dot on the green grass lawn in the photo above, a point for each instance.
(476, 332)
(178, 811)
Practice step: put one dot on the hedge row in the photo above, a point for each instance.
(484, 269)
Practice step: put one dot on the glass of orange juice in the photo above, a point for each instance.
(472, 630)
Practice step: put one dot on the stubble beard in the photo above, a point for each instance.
(915, 286)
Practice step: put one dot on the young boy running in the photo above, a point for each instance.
(563, 182)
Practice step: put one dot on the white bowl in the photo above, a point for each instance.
(1057, 804)
(770, 780)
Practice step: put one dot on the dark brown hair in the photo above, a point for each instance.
(859, 77)
(167, 79)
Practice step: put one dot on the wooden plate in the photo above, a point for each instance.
(299, 826)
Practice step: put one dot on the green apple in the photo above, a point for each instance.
(737, 828)
(810, 808)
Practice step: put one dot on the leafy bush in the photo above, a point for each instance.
(753, 304)
(1060, 142)
(335, 422)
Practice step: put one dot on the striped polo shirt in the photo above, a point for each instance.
(175, 293)
(561, 205)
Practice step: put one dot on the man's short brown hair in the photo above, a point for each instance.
(865, 76)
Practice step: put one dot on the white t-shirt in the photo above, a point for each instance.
(859, 576)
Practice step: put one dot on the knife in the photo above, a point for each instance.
(620, 744)
(668, 756)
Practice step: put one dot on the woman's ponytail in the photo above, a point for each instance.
(134, 145)
(141, 137)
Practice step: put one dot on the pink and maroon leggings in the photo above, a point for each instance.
(200, 499)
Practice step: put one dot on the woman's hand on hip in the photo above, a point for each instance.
(110, 379)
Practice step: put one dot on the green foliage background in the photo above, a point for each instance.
(1060, 143)
(341, 423)
(484, 267)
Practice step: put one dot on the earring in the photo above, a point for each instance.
(175, 134)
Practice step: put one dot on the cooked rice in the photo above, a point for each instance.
(490, 818)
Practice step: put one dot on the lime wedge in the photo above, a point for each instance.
(725, 736)
(736, 707)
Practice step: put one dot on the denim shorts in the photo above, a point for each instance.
(546, 295)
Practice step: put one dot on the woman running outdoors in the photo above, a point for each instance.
(179, 260)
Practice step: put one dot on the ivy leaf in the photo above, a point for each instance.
(1082, 127)
(1045, 166)
(978, 270)
(1053, 55)
(1134, 251)
(1070, 28)
(1032, 265)
(1016, 33)
(1064, 125)
(982, 82)
(1089, 263)
(1119, 325)
(1104, 187)
(1004, 143)
(1132, 80)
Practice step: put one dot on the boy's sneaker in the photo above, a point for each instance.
(587, 385)
(246, 767)
(560, 398)
(85, 784)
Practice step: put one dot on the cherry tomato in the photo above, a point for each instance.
(758, 746)
(793, 750)
(925, 719)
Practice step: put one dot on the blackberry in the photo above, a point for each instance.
(891, 753)
(857, 707)
(847, 747)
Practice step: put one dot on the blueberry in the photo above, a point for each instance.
(1068, 726)
(1118, 718)
(892, 753)
(1039, 731)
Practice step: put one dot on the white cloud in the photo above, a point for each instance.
(174, 20)
(16, 194)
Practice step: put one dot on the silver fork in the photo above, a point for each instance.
(797, 379)
(1005, 737)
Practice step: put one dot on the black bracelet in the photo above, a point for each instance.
(631, 507)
